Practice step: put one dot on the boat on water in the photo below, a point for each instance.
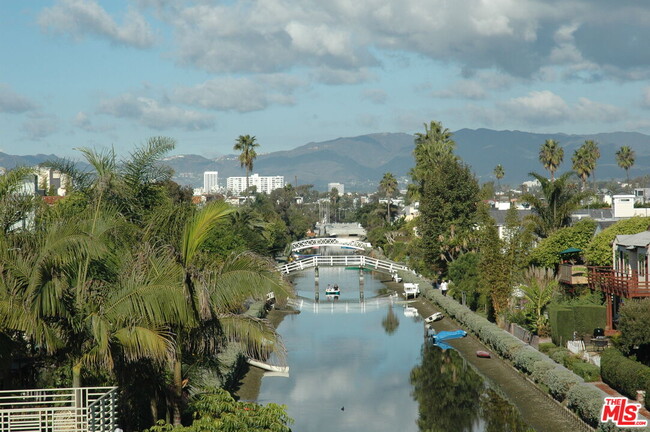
(268, 367)
(333, 290)
(433, 318)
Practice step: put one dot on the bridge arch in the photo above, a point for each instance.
(361, 261)
(329, 241)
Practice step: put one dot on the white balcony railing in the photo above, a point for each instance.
(85, 409)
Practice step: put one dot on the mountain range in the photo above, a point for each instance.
(360, 162)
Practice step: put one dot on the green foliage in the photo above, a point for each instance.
(599, 251)
(552, 210)
(464, 273)
(624, 374)
(581, 319)
(494, 270)
(547, 252)
(633, 320)
(551, 155)
(217, 411)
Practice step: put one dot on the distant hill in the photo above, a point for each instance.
(360, 162)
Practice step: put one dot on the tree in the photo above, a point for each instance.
(246, 145)
(635, 332)
(547, 252)
(584, 161)
(591, 148)
(538, 288)
(625, 158)
(388, 187)
(553, 209)
(448, 205)
(551, 156)
(499, 173)
(599, 250)
(217, 411)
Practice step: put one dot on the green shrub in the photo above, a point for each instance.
(589, 372)
(624, 374)
(525, 358)
(546, 346)
(540, 368)
(587, 402)
(560, 381)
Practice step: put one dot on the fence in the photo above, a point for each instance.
(85, 409)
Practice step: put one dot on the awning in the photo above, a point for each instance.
(570, 250)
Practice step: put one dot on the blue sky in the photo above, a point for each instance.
(89, 73)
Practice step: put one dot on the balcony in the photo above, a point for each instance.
(622, 284)
(573, 274)
(87, 409)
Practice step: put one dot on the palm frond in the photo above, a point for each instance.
(198, 228)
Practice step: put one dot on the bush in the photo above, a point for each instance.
(589, 372)
(560, 381)
(546, 346)
(525, 359)
(624, 374)
(587, 402)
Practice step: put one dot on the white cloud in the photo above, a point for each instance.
(80, 18)
(12, 102)
(153, 114)
(240, 94)
(545, 108)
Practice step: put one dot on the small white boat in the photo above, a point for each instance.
(433, 318)
(268, 367)
(410, 311)
(333, 290)
(411, 290)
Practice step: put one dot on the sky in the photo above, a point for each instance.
(102, 74)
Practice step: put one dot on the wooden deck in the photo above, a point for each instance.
(610, 281)
(573, 274)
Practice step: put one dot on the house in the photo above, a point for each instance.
(627, 278)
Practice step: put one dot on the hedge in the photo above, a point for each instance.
(581, 319)
(624, 374)
(562, 384)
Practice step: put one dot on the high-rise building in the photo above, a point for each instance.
(210, 181)
(264, 184)
(340, 187)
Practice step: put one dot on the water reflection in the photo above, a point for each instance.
(341, 357)
(390, 321)
(453, 396)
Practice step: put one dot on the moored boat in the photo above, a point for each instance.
(483, 354)
(433, 318)
(333, 290)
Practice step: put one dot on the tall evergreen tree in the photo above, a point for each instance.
(499, 173)
(388, 188)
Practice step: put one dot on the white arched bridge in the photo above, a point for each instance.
(329, 241)
(360, 261)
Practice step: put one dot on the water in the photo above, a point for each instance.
(369, 369)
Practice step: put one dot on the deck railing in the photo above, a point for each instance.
(622, 284)
(85, 409)
(343, 261)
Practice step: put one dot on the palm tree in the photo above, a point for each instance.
(538, 289)
(14, 204)
(625, 158)
(583, 164)
(499, 173)
(388, 185)
(246, 145)
(591, 148)
(551, 156)
(553, 209)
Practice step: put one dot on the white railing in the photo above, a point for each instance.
(85, 409)
(329, 241)
(343, 261)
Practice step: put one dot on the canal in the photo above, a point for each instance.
(368, 367)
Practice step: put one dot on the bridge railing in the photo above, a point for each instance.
(343, 261)
(85, 409)
(329, 241)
